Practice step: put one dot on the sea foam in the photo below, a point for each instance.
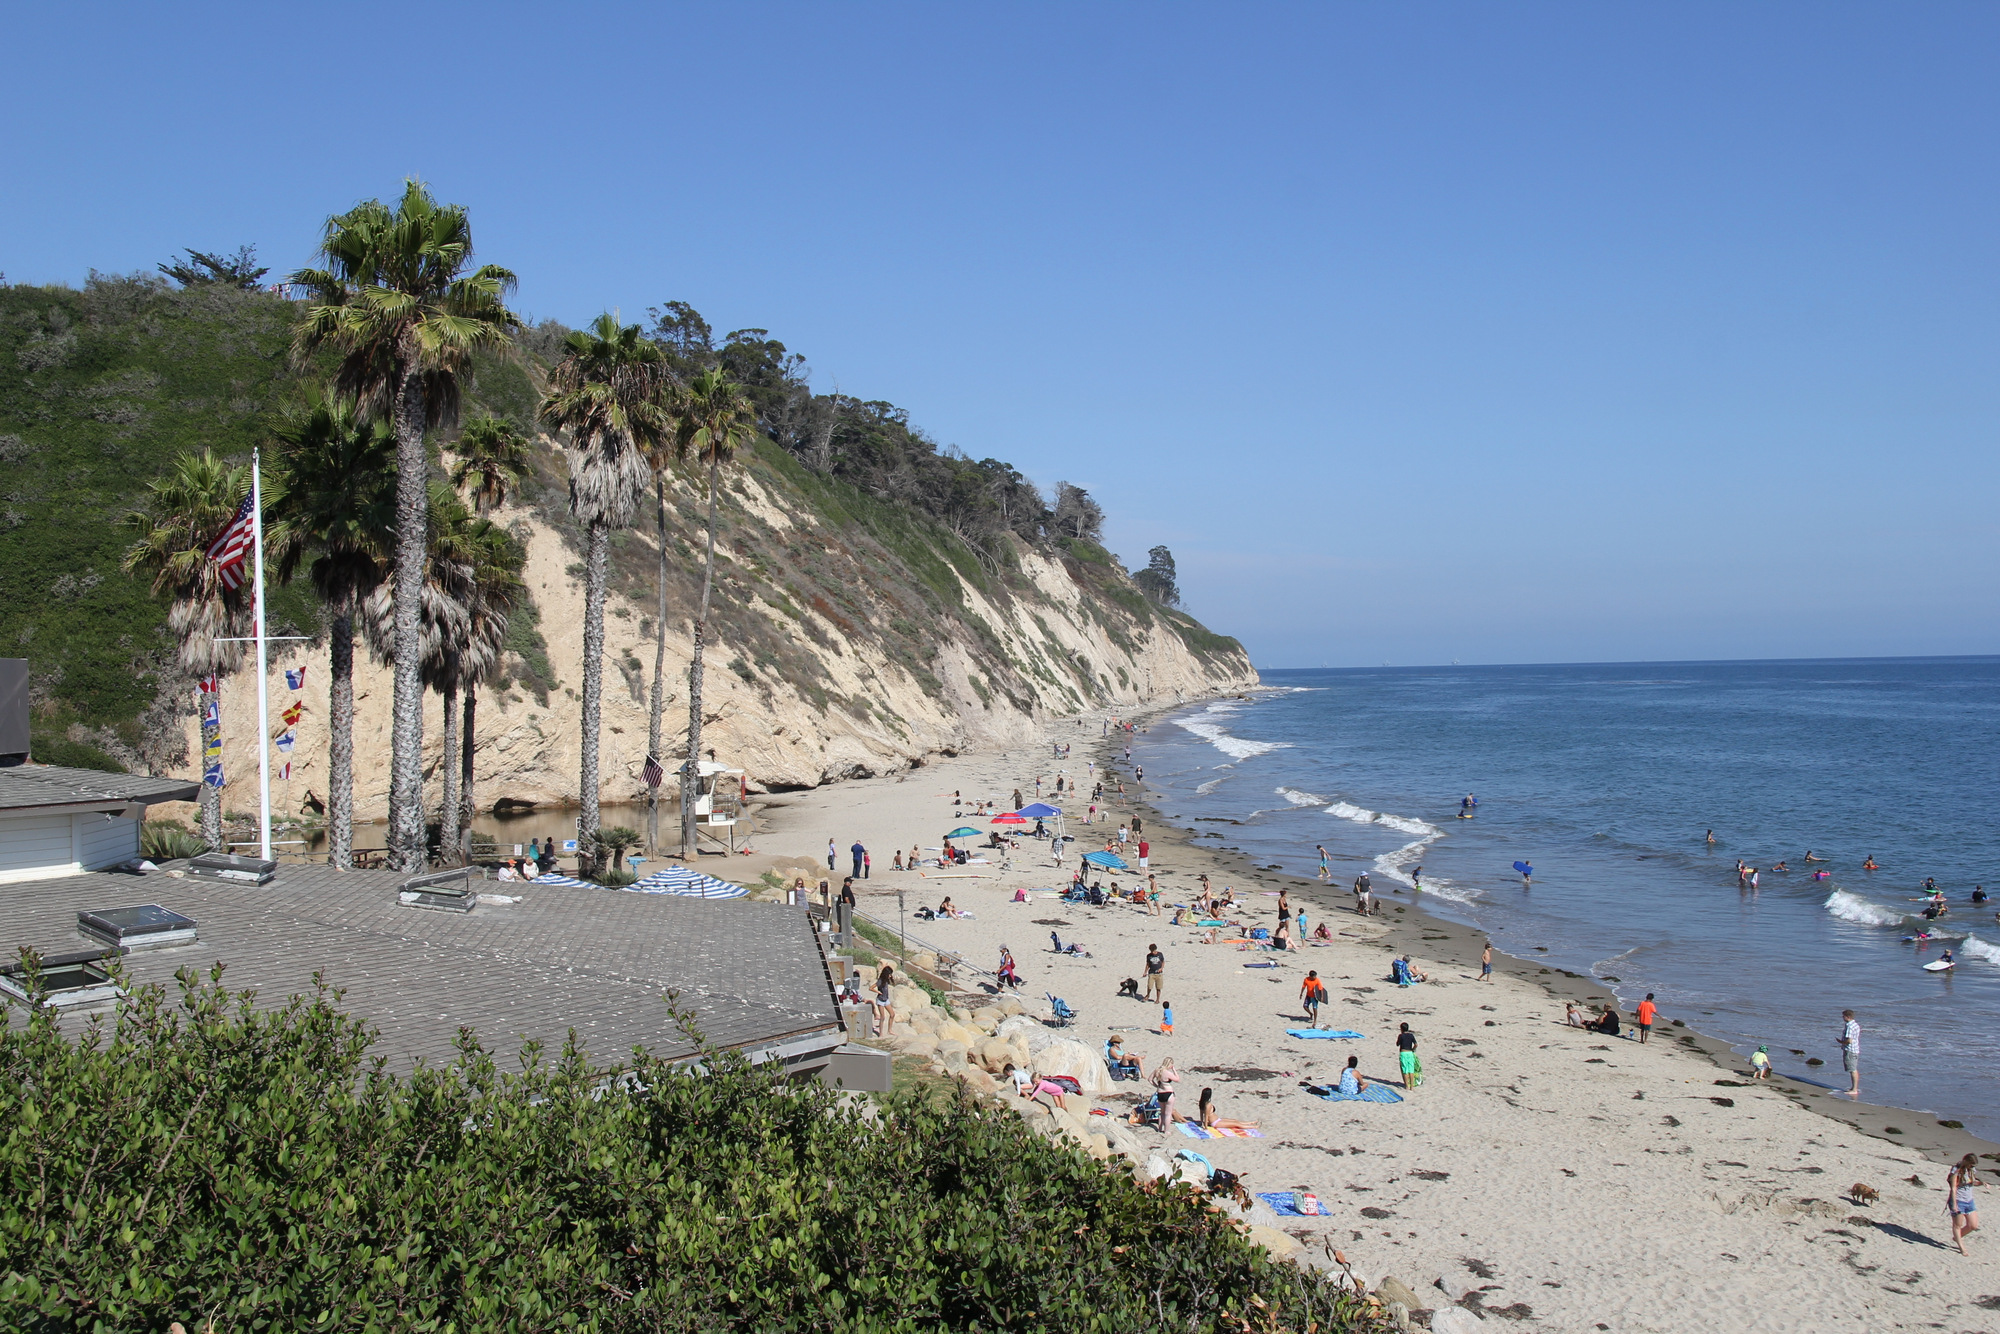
(1853, 908)
(1354, 813)
(1298, 798)
(1975, 948)
(1216, 735)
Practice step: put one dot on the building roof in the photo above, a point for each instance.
(595, 960)
(42, 786)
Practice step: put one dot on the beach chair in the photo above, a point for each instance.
(1063, 1015)
(1056, 944)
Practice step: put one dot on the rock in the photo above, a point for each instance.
(1099, 1147)
(987, 1019)
(1192, 1174)
(1393, 1289)
(1010, 1006)
(1156, 1168)
(1455, 1320)
(979, 1080)
(1277, 1243)
(951, 1055)
(1453, 1288)
(919, 1044)
(1067, 1056)
(1399, 1315)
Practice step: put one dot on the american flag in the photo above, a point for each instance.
(232, 544)
(654, 773)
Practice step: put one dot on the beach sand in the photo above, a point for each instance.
(1575, 1181)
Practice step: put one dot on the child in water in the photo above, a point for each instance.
(1760, 1063)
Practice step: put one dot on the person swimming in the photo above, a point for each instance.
(1979, 893)
(1779, 866)
(1809, 856)
(1870, 865)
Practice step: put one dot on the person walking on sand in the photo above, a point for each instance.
(832, 858)
(1156, 972)
(867, 864)
(1850, 1052)
(1166, 1019)
(1648, 1012)
(1958, 1200)
(1312, 994)
(1164, 1079)
(1486, 963)
(857, 852)
(1406, 1057)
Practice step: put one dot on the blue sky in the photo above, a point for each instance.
(1496, 333)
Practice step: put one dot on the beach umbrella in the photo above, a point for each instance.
(1108, 860)
(965, 831)
(689, 883)
(1039, 811)
(1009, 819)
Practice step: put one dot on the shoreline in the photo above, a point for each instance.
(1532, 1159)
(1940, 1143)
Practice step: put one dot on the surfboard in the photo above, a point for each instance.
(1939, 966)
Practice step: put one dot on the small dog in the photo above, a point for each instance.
(1129, 987)
(1862, 1194)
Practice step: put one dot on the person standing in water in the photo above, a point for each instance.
(1711, 838)
(1850, 1052)
(1486, 963)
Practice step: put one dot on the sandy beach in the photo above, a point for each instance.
(1575, 1181)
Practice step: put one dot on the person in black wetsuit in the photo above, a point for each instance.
(1607, 1023)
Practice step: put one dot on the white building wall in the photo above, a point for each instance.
(105, 840)
(33, 847)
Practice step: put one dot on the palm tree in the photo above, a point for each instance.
(492, 457)
(713, 420)
(496, 560)
(186, 507)
(445, 623)
(338, 511)
(607, 393)
(396, 303)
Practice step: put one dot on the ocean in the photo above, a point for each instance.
(1605, 778)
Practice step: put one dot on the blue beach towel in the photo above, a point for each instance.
(1260, 965)
(1324, 1033)
(1190, 1156)
(1373, 1093)
(1281, 1203)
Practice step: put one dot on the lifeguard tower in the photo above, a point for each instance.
(718, 803)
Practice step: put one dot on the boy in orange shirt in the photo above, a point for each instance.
(1648, 1012)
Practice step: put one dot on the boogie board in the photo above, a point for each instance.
(1939, 966)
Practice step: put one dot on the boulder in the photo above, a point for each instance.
(916, 1044)
(979, 1080)
(1455, 1320)
(1098, 1147)
(1277, 1243)
(994, 1054)
(1011, 1006)
(1192, 1174)
(1399, 1316)
(987, 1019)
(1067, 1056)
(952, 1054)
(1393, 1289)
(1453, 1287)
(1155, 1168)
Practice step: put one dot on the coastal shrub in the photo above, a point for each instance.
(201, 1159)
(166, 840)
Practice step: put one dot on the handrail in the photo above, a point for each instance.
(939, 950)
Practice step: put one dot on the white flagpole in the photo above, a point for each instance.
(263, 684)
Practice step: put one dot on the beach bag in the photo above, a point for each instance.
(1308, 1203)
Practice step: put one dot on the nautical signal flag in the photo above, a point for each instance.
(233, 543)
(285, 772)
(295, 680)
(287, 741)
(293, 714)
(654, 773)
(208, 685)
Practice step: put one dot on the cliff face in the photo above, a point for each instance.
(848, 640)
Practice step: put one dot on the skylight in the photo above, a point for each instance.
(146, 927)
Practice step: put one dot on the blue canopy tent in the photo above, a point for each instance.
(1039, 811)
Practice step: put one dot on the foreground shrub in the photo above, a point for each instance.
(203, 1160)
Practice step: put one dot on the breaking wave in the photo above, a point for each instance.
(1216, 735)
(1298, 798)
(1853, 908)
(1354, 813)
(1210, 786)
(1976, 948)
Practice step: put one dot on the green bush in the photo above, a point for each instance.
(203, 1160)
(167, 840)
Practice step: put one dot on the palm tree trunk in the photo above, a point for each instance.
(593, 688)
(653, 729)
(340, 740)
(690, 775)
(406, 763)
(210, 806)
(466, 806)
(448, 823)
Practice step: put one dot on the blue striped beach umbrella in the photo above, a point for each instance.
(693, 884)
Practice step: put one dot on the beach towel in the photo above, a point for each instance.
(1283, 1203)
(1324, 1033)
(1260, 965)
(1373, 1093)
(1190, 1156)
(1193, 1131)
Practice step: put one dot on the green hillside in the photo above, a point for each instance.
(100, 387)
